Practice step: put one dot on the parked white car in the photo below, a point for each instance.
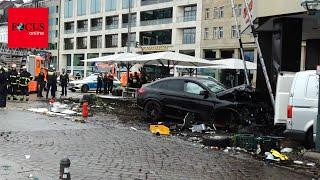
(89, 84)
(303, 107)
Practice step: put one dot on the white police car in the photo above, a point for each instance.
(88, 84)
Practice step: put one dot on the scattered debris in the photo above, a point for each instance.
(133, 128)
(286, 150)
(69, 112)
(159, 129)
(311, 164)
(217, 141)
(38, 110)
(298, 162)
(27, 156)
(282, 157)
(198, 128)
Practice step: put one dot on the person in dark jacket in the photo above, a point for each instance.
(64, 80)
(105, 83)
(99, 83)
(136, 80)
(40, 83)
(3, 87)
(13, 82)
(130, 81)
(110, 83)
(25, 78)
(52, 83)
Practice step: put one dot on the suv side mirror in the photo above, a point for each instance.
(204, 93)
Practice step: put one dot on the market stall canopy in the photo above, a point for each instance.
(228, 64)
(170, 59)
(121, 57)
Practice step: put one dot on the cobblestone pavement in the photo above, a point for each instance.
(112, 152)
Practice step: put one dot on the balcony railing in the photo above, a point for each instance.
(82, 30)
(186, 18)
(69, 31)
(149, 2)
(112, 26)
(96, 28)
(156, 21)
(125, 25)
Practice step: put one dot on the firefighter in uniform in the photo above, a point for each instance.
(52, 82)
(13, 82)
(24, 80)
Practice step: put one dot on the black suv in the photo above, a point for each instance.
(207, 98)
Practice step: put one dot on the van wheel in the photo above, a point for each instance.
(309, 143)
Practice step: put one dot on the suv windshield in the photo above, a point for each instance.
(214, 86)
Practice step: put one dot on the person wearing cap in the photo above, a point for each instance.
(25, 78)
(13, 82)
(3, 86)
(52, 82)
(64, 79)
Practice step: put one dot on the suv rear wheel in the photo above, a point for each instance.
(152, 110)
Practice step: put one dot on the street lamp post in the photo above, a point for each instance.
(313, 7)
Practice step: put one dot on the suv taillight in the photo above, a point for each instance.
(141, 91)
(289, 111)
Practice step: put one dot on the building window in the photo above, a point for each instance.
(57, 21)
(81, 42)
(238, 9)
(95, 42)
(95, 6)
(206, 33)
(249, 55)
(221, 12)
(111, 40)
(68, 8)
(53, 46)
(82, 26)
(69, 27)
(124, 39)
(57, 9)
(215, 12)
(156, 37)
(125, 4)
(96, 24)
(234, 33)
(125, 20)
(190, 13)
(220, 33)
(111, 5)
(81, 7)
(52, 9)
(77, 60)
(68, 59)
(207, 16)
(112, 22)
(189, 36)
(68, 43)
(52, 21)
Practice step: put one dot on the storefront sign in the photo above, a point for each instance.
(28, 28)
(156, 48)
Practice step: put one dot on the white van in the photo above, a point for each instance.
(303, 107)
(284, 84)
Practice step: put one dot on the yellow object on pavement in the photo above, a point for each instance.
(159, 129)
(282, 157)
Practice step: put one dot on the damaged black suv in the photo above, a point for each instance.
(208, 99)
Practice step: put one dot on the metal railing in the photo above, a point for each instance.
(82, 29)
(96, 28)
(156, 21)
(112, 26)
(186, 18)
(150, 2)
(125, 25)
(69, 31)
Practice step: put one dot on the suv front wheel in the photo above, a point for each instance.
(152, 110)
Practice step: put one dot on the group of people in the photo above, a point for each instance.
(136, 81)
(14, 83)
(11, 81)
(105, 81)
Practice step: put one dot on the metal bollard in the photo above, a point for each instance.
(64, 169)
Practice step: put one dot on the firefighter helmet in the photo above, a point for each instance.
(13, 65)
